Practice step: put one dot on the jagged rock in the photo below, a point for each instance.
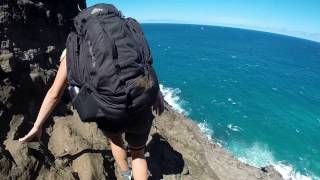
(5, 163)
(24, 158)
(4, 61)
(57, 174)
(15, 123)
(70, 137)
(90, 166)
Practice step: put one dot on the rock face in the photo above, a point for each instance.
(32, 36)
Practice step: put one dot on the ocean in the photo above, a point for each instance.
(256, 94)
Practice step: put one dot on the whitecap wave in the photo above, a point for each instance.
(234, 128)
(206, 130)
(288, 173)
(260, 155)
(171, 96)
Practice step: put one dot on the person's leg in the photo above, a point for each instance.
(137, 136)
(139, 163)
(119, 152)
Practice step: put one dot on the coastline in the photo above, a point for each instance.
(184, 135)
(174, 101)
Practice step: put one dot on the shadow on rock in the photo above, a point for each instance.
(108, 161)
(162, 158)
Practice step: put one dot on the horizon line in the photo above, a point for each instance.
(293, 34)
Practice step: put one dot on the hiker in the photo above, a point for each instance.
(135, 125)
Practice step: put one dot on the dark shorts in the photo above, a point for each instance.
(136, 129)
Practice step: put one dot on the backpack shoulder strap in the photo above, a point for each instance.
(72, 57)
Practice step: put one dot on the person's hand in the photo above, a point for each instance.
(158, 106)
(34, 133)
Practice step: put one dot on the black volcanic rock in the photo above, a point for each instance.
(32, 36)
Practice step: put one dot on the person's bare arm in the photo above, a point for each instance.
(50, 101)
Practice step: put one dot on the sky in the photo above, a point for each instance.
(299, 18)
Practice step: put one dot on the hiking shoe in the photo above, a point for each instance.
(127, 175)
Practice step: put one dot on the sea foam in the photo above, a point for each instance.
(234, 128)
(171, 96)
(288, 173)
(259, 155)
(205, 129)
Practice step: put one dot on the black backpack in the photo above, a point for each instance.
(109, 65)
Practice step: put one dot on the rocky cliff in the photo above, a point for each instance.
(32, 36)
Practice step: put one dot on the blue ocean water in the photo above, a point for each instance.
(255, 93)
